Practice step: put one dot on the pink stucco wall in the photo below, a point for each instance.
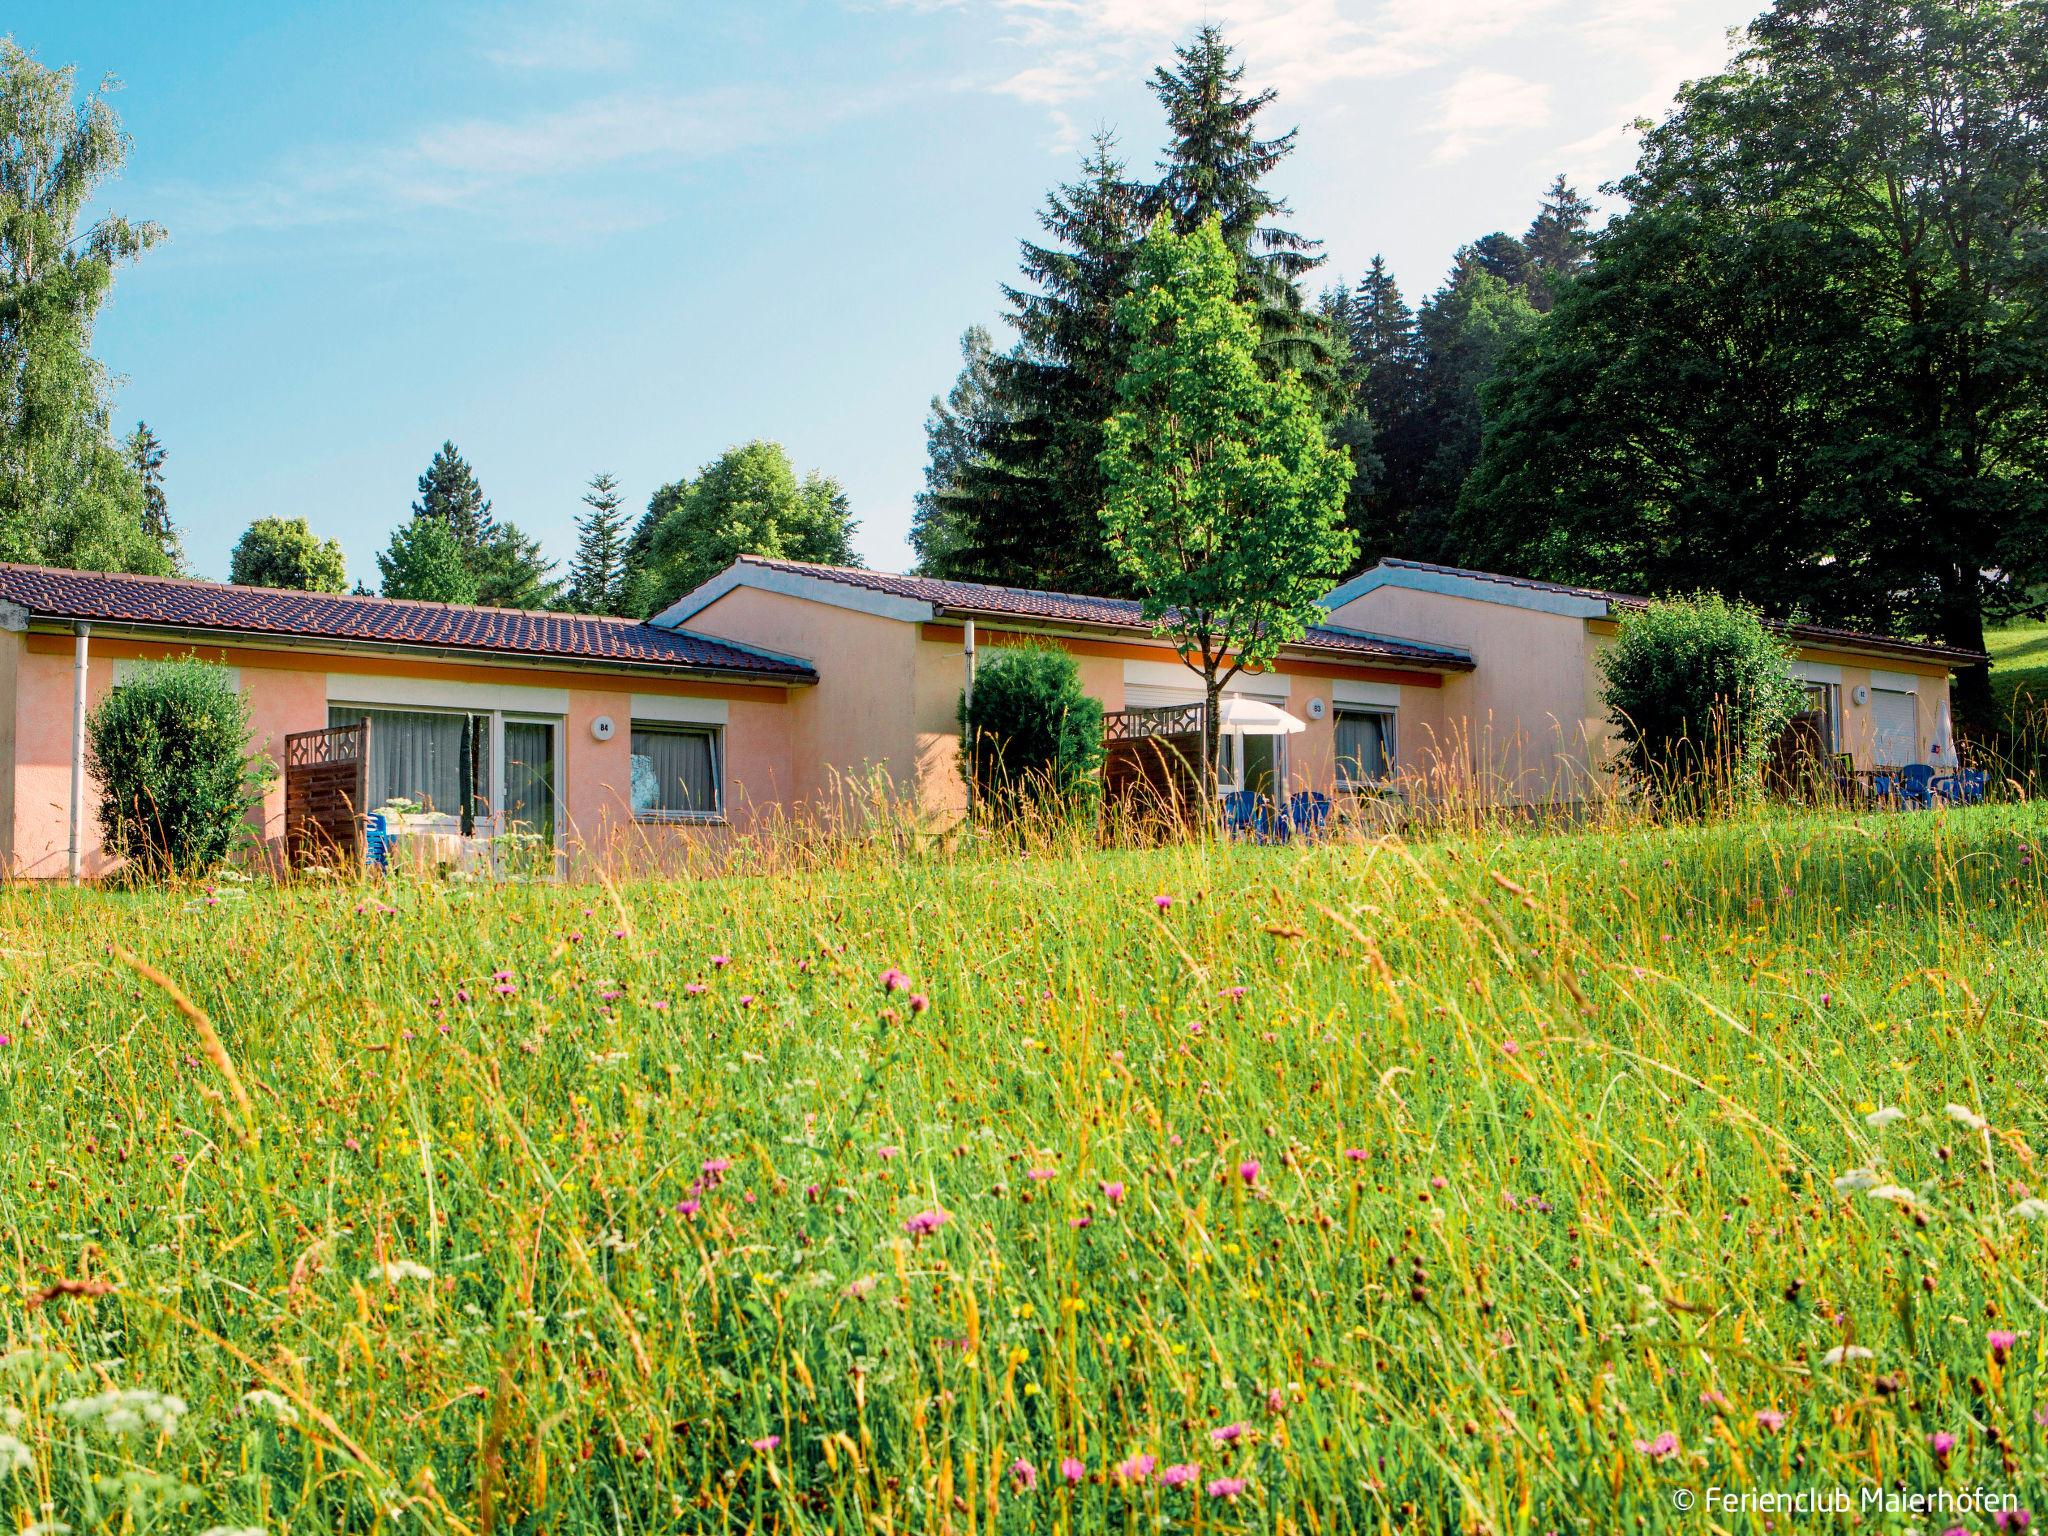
(1524, 725)
(36, 731)
(41, 723)
(859, 730)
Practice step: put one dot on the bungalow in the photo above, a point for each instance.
(778, 687)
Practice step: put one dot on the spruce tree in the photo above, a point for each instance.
(1215, 167)
(449, 491)
(597, 575)
(1384, 367)
(146, 456)
(1026, 507)
(954, 429)
(507, 566)
(1559, 241)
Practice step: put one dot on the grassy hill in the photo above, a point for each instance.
(2019, 662)
(1506, 1183)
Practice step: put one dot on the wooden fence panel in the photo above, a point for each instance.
(326, 774)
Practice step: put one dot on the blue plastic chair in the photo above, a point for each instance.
(1964, 787)
(376, 841)
(1916, 786)
(1240, 810)
(1309, 810)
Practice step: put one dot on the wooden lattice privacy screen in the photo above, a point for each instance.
(325, 775)
(1151, 759)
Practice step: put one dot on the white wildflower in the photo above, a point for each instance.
(1892, 1192)
(14, 1456)
(273, 1403)
(607, 1058)
(1878, 1119)
(2033, 1208)
(233, 1530)
(126, 1412)
(1855, 1181)
(1842, 1353)
(395, 1270)
(1963, 1115)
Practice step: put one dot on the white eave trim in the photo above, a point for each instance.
(1450, 584)
(817, 589)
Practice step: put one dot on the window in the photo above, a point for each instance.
(1816, 724)
(1895, 718)
(677, 772)
(417, 755)
(1365, 747)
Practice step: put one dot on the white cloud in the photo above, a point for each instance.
(1485, 105)
(535, 172)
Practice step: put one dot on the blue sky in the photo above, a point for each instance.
(621, 235)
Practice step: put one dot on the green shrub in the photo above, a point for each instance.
(1033, 737)
(1699, 691)
(170, 749)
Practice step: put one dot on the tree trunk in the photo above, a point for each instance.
(1962, 626)
(1212, 742)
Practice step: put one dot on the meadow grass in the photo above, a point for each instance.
(2019, 665)
(1506, 1182)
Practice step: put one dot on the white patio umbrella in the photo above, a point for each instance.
(1254, 717)
(1943, 750)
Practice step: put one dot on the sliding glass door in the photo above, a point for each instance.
(529, 804)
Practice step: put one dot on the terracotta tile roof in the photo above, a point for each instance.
(973, 599)
(176, 603)
(1820, 634)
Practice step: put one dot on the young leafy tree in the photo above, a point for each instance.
(68, 495)
(954, 431)
(284, 552)
(597, 576)
(747, 501)
(1225, 500)
(146, 456)
(424, 562)
(1025, 506)
(1216, 166)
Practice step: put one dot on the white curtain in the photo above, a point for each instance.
(1365, 746)
(413, 756)
(675, 772)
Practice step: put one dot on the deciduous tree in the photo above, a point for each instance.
(1225, 501)
(1808, 365)
(68, 495)
(747, 501)
(425, 562)
(284, 552)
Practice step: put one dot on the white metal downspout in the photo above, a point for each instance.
(79, 669)
(968, 653)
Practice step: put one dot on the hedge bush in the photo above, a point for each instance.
(1033, 737)
(1698, 690)
(170, 749)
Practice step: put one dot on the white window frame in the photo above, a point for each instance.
(1831, 707)
(1390, 718)
(715, 731)
(491, 821)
